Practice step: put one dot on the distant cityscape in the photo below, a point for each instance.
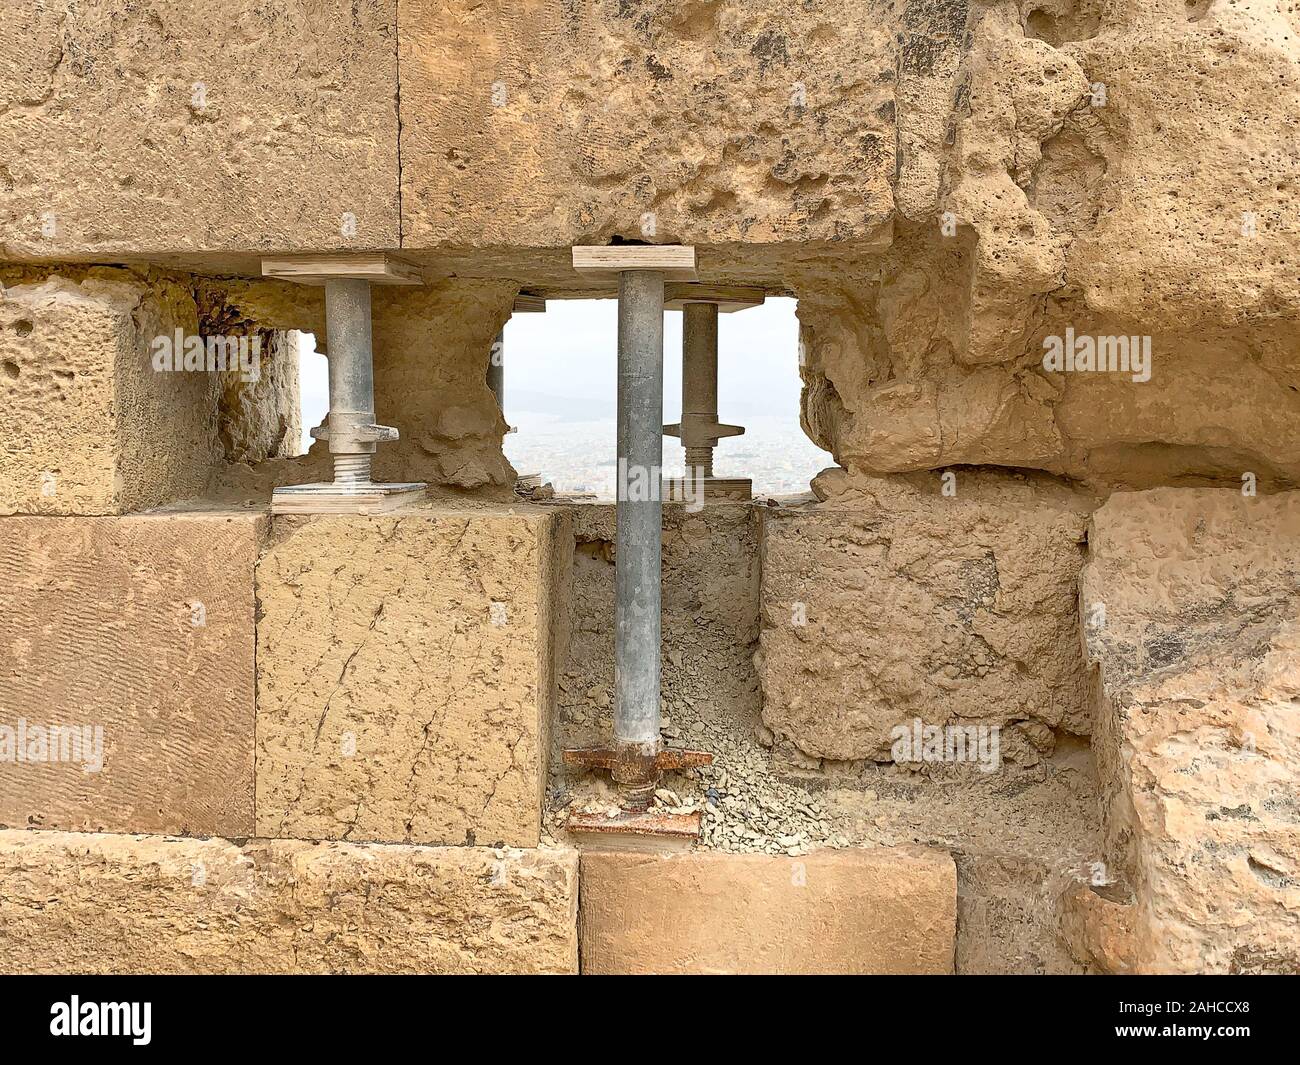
(579, 456)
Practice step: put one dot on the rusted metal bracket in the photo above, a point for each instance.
(637, 773)
(638, 829)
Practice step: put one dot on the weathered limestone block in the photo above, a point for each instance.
(727, 122)
(884, 910)
(405, 676)
(137, 633)
(146, 904)
(1093, 165)
(1196, 132)
(1191, 604)
(173, 127)
(87, 426)
(892, 601)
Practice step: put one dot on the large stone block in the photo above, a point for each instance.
(885, 910)
(1191, 601)
(892, 601)
(87, 426)
(554, 124)
(145, 904)
(1067, 129)
(134, 637)
(405, 675)
(168, 127)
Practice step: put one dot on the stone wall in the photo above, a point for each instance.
(404, 676)
(1190, 604)
(896, 599)
(145, 904)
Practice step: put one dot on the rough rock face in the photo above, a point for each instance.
(891, 601)
(431, 350)
(405, 676)
(147, 904)
(726, 122)
(1098, 159)
(136, 633)
(86, 424)
(1191, 601)
(261, 417)
(1007, 917)
(171, 126)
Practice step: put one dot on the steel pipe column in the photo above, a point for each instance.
(699, 384)
(352, 436)
(639, 518)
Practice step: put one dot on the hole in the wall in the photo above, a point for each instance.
(10, 368)
(560, 381)
(1059, 22)
(23, 327)
(313, 389)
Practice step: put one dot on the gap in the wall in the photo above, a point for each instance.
(561, 382)
(313, 388)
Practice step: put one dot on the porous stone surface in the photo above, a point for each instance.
(431, 349)
(1073, 128)
(887, 910)
(1097, 926)
(148, 904)
(890, 601)
(405, 675)
(558, 116)
(139, 627)
(1191, 603)
(172, 127)
(87, 426)
(260, 405)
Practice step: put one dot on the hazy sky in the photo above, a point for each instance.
(571, 352)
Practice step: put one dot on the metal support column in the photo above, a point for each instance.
(639, 520)
(637, 757)
(351, 430)
(353, 435)
(699, 430)
(699, 384)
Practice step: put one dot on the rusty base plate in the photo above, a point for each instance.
(648, 830)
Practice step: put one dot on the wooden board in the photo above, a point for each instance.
(675, 261)
(327, 498)
(729, 298)
(527, 303)
(375, 267)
